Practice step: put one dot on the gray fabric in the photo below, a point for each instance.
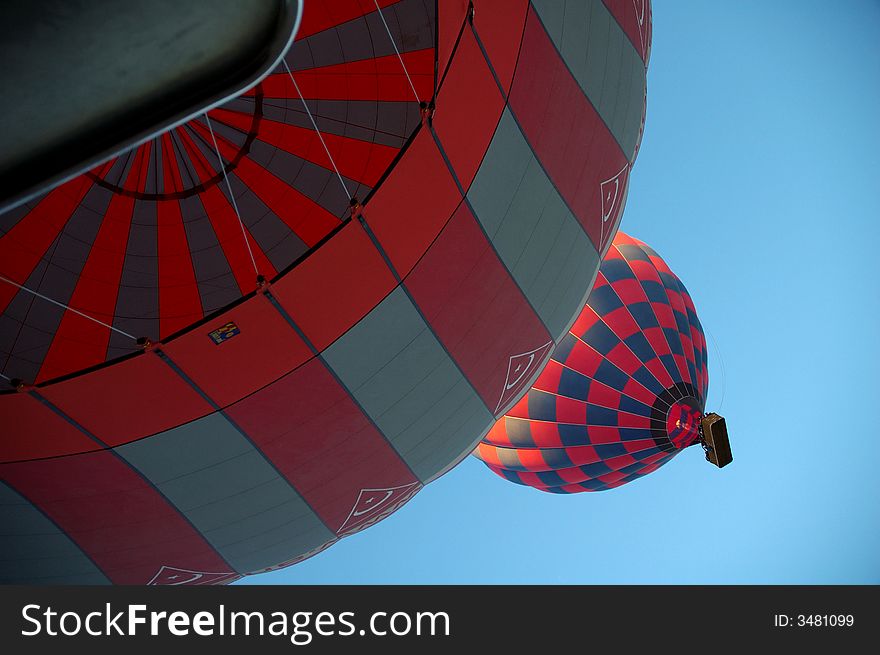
(137, 303)
(537, 237)
(313, 181)
(603, 61)
(397, 370)
(411, 23)
(37, 552)
(230, 493)
(28, 324)
(214, 278)
(280, 244)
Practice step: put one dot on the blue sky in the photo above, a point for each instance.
(758, 180)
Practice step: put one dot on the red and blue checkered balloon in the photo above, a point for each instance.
(624, 391)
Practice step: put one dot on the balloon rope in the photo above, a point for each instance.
(67, 307)
(7, 378)
(317, 131)
(394, 44)
(720, 361)
(232, 196)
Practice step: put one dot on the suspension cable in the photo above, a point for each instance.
(67, 307)
(317, 131)
(394, 45)
(244, 235)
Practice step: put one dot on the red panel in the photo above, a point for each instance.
(469, 107)
(31, 430)
(25, 244)
(79, 342)
(519, 410)
(588, 317)
(128, 400)
(545, 434)
(499, 24)
(624, 359)
(478, 312)
(126, 527)
(581, 455)
(600, 434)
(626, 420)
(498, 433)
(358, 160)
(308, 220)
(657, 340)
(451, 15)
(639, 445)
(629, 290)
(382, 78)
(550, 377)
(265, 348)
(634, 16)
(532, 459)
(569, 410)
(420, 180)
(312, 431)
(179, 301)
(583, 359)
(566, 133)
(320, 16)
(603, 395)
(336, 286)
(488, 454)
(621, 356)
(226, 223)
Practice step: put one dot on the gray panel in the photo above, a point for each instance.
(137, 301)
(214, 277)
(279, 243)
(387, 123)
(229, 492)
(537, 237)
(602, 59)
(410, 22)
(28, 324)
(11, 217)
(400, 374)
(313, 181)
(38, 552)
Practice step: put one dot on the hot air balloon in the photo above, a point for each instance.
(269, 327)
(624, 391)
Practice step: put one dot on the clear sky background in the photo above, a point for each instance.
(758, 181)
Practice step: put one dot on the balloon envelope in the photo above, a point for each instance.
(624, 392)
(258, 422)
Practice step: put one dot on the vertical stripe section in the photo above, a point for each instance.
(225, 487)
(603, 61)
(137, 304)
(478, 312)
(399, 373)
(179, 301)
(333, 472)
(22, 247)
(537, 237)
(79, 342)
(113, 515)
(33, 550)
(568, 136)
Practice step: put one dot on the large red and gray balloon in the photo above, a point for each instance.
(624, 392)
(257, 424)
